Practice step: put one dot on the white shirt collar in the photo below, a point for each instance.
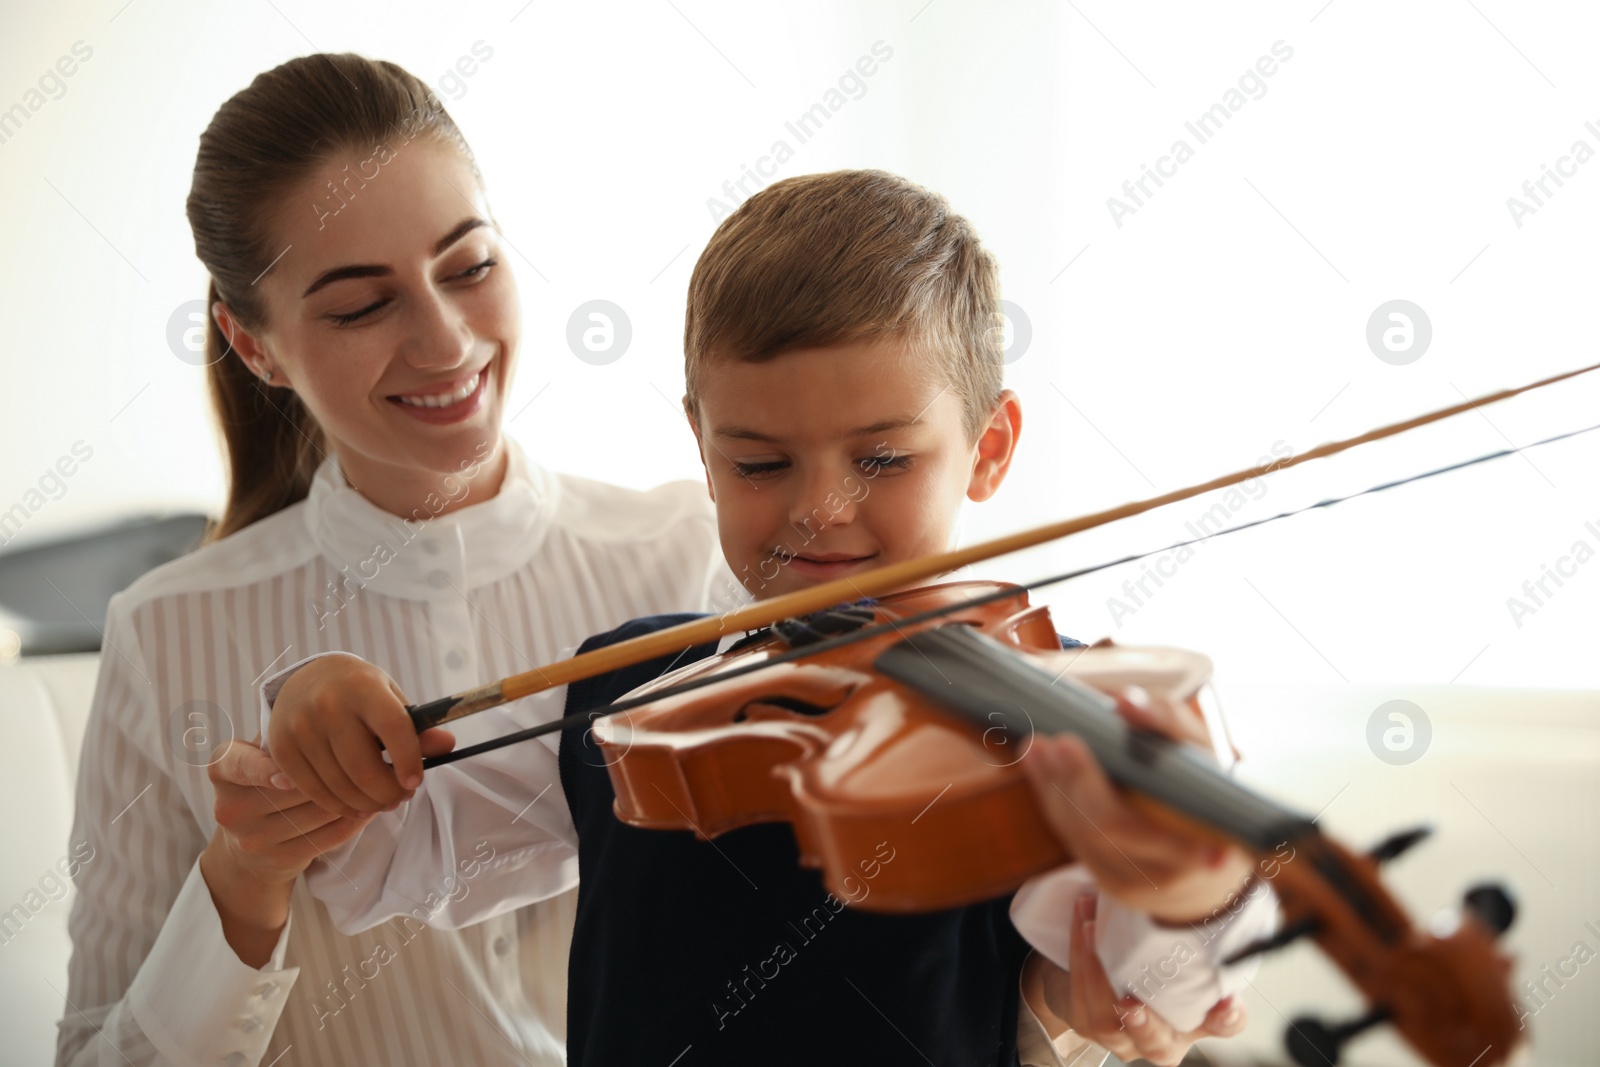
(428, 556)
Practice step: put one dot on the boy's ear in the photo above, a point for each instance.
(700, 448)
(995, 447)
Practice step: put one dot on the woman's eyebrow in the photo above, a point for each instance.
(337, 274)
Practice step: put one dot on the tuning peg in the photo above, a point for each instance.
(1313, 1043)
(1277, 940)
(1396, 845)
(1492, 906)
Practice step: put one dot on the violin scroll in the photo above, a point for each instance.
(1447, 995)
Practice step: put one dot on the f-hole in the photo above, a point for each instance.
(790, 704)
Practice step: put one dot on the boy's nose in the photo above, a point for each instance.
(822, 502)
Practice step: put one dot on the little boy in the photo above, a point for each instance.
(844, 385)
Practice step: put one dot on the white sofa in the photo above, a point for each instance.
(1511, 782)
(43, 704)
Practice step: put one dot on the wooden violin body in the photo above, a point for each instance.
(853, 759)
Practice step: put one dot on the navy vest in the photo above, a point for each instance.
(690, 953)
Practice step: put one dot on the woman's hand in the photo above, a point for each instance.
(268, 833)
(325, 732)
(1144, 862)
(266, 836)
(1082, 999)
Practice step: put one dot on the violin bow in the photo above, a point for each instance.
(888, 578)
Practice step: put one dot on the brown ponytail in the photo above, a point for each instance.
(265, 140)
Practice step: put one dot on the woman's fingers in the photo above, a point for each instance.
(1152, 1037)
(242, 763)
(1124, 1026)
(1081, 962)
(1093, 999)
(308, 847)
(285, 823)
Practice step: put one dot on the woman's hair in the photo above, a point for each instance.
(847, 256)
(267, 139)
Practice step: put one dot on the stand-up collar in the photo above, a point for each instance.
(421, 556)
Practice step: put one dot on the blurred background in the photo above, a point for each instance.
(1345, 226)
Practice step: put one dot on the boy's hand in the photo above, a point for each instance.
(1144, 863)
(1083, 1000)
(325, 732)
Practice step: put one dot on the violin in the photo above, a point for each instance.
(914, 737)
(904, 719)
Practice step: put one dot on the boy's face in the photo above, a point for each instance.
(829, 462)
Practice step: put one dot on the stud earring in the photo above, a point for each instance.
(266, 376)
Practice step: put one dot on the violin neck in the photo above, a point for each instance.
(994, 685)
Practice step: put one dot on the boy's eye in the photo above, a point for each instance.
(477, 272)
(892, 461)
(756, 470)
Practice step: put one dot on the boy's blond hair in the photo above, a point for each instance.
(843, 257)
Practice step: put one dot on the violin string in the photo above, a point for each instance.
(1010, 590)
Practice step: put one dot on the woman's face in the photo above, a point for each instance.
(392, 312)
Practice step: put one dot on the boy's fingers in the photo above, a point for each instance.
(356, 748)
(1104, 830)
(1131, 855)
(1140, 712)
(1075, 793)
(333, 789)
(399, 736)
(436, 741)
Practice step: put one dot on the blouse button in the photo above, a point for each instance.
(234, 1059)
(267, 990)
(502, 945)
(249, 1024)
(453, 660)
(431, 547)
(438, 579)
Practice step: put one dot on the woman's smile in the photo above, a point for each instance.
(449, 402)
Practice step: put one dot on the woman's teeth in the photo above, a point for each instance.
(444, 400)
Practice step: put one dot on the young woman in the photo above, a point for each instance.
(364, 337)
(363, 341)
